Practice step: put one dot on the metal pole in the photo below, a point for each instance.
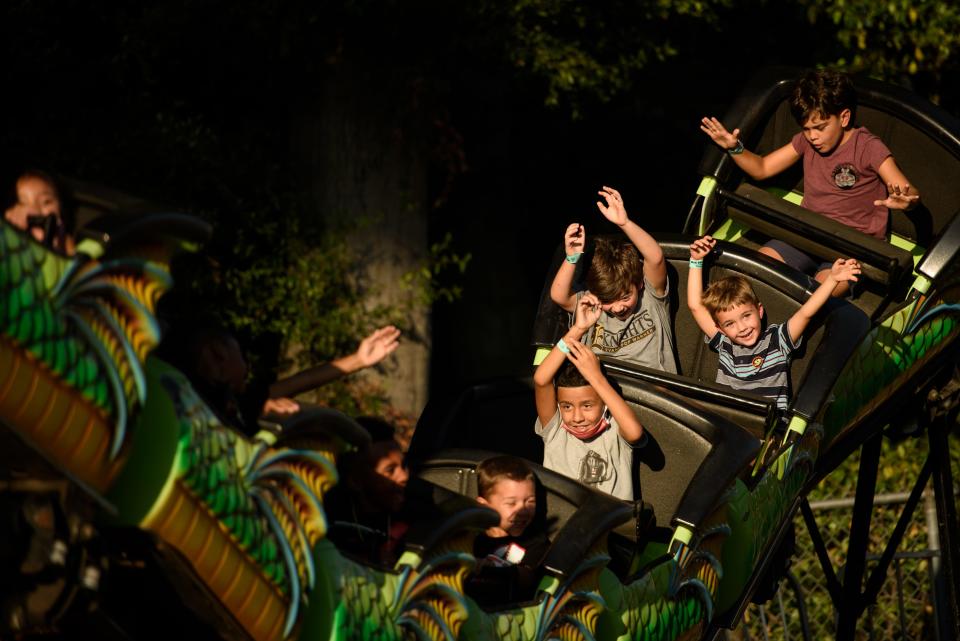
(946, 521)
(937, 587)
(851, 602)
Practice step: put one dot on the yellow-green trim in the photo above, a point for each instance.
(797, 424)
(707, 186)
(549, 584)
(683, 534)
(541, 354)
(906, 244)
(730, 231)
(90, 247)
(922, 284)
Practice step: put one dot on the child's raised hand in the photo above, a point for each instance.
(575, 239)
(897, 197)
(845, 269)
(701, 247)
(584, 360)
(378, 345)
(718, 133)
(588, 312)
(614, 211)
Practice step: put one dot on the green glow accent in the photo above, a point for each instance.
(267, 437)
(905, 243)
(798, 425)
(683, 534)
(707, 189)
(707, 186)
(90, 247)
(793, 197)
(409, 557)
(549, 584)
(540, 355)
(730, 231)
(922, 284)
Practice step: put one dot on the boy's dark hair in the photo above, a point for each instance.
(822, 92)
(569, 376)
(726, 293)
(615, 266)
(498, 468)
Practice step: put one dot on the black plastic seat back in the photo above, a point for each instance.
(496, 415)
(691, 456)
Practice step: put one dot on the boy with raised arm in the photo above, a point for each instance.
(849, 175)
(629, 279)
(753, 359)
(587, 428)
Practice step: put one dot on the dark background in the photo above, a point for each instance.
(192, 104)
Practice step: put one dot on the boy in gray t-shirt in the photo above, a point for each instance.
(629, 278)
(586, 426)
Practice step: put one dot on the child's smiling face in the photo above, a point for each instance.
(624, 306)
(515, 502)
(741, 323)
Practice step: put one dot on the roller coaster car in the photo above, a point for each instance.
(924, 139)
(704, 439)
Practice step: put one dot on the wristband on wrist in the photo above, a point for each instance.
(736, 149)
(696, 263)
(562, 346)
(573, 258)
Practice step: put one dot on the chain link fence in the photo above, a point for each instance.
(905, 607)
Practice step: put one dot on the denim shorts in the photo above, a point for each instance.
(804, 263)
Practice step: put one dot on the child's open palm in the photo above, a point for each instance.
(719, 134)
(845, 269)
(378, 345)
(614, 211)
(897, 197)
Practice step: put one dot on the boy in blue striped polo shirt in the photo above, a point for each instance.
(753, 359)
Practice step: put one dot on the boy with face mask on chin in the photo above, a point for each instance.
(588, 430)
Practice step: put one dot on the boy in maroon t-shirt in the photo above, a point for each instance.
(849, 175)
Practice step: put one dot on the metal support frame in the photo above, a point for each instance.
(845, 592)
(948, 526)
(851, 603)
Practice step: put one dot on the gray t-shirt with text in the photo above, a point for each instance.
(645, 337)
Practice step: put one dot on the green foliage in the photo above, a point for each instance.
(438, 275)
(591, 51)
(892, 39)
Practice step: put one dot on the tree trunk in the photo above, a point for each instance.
(364, 161)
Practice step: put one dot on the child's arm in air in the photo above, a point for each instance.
(900, 194)
(589, 365)
(544, 392)
(373, 349)
(574, 240)
(844, 269)
(698, 251)
(757, 167)
(654, 266)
